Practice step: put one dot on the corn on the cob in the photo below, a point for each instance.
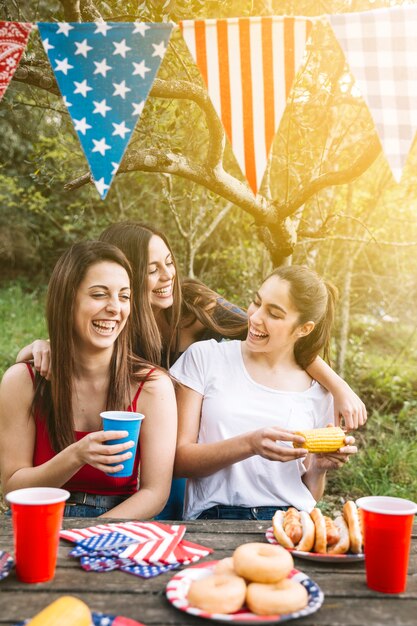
(66, 611)
(321, 440)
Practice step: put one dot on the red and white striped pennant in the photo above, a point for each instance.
(248, 66)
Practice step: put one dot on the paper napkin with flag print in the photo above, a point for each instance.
(105, 71)
(248, 66)
(381, 49)
(6, 564)
(13, 41)
(144, 549)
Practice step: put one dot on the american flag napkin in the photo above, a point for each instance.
(6, 564)
(143, 549)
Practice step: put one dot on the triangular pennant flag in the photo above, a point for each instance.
(13, 41)
(105, 71)
(248, 65)
(381, 49)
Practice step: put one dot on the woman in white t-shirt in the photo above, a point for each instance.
(241, 401)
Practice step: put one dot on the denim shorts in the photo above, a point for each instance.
(174, 507)
(84, 510)
(79, 510)
(221, 511)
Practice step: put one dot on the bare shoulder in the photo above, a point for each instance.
(157, 381)
(16, 389)
(17, 375)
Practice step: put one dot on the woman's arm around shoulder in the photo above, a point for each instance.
(347, 403)
(157, 440)
(40, 352)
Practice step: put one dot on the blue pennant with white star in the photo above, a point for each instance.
(105, 71)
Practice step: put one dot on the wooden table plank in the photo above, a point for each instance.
(348, 601)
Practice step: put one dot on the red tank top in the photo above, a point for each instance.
(88, 479)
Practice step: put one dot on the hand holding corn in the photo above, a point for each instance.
(322, 440)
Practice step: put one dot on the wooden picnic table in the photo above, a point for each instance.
(347, 601)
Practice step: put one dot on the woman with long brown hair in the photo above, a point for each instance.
(239, 403)
(51, 429)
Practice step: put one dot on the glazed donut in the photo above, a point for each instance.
(262, 563)
(218, 593)
(285, 596)
(225, 566)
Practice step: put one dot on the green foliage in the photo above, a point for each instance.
(386, 463)
(21, 319)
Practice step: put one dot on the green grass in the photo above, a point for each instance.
(21, 320)
(386, 463)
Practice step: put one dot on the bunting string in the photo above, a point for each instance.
(105, 71)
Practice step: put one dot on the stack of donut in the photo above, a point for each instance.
(319, 533)
(255, 576)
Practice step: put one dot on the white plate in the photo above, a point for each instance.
(316, 556)
(178, 586)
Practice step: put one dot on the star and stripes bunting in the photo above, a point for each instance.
(381, 49)
(248, 66)
(14, 37)
(105, 71)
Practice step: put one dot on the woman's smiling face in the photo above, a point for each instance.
(273, 318)
(102, 305)
(161, 274)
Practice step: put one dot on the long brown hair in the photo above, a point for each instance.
(53, 399)
(133, 239)
(201, 303)
(315, 301)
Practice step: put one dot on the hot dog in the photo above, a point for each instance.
(352, 518)
(331, 536)
(294, 529)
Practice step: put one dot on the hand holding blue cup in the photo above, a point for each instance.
(130, 422)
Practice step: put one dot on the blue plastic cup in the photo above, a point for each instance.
(123, 420)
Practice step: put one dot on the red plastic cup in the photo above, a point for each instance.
(37, 514)
(387, 524)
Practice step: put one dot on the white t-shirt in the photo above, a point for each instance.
(233, 404)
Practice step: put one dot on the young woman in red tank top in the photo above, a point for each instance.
(51, 430)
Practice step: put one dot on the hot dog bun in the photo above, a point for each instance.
(300, 519)
(320, 541)
(351, 517)
(342, 546)
(332, 536)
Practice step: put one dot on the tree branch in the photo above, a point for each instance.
(329, 179)
(212, 226)
(184, 90)
(36, 76)
(394, 244)
(89, 12)
(218, 181)
(72, 11)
